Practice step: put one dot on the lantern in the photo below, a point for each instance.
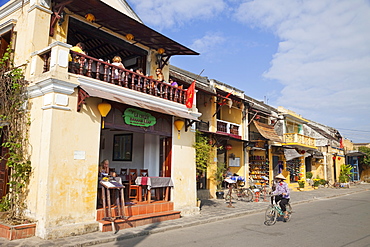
(104, 109)
(333, 157)
(338, 158)
(160, 50)
(129, 36)
(228, 147)
(303, 152)
(178, 124)
(90, 17)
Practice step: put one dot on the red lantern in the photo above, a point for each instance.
(333, 157)
(228, 147)
(338, 158)
(303, 152)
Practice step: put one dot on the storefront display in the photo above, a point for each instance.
(258, 166)
(293, 167)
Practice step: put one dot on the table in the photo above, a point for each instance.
(155, 182)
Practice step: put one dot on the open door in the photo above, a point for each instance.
(165, 157)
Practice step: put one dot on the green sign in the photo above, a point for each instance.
(138, 118)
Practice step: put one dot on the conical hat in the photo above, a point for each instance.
(280, 176)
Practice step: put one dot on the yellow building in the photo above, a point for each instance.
(68, 138)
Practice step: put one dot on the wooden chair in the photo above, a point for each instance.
(134, 190)
(144, 173)
(112, 170)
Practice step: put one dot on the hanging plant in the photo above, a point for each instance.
(14, 132)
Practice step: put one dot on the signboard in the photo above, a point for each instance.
(138, 118)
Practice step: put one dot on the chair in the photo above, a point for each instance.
(112, 170)
(132, 187)
(144, 173)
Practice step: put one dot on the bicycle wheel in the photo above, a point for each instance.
(246, 195)
(289, 210)
(270, 215)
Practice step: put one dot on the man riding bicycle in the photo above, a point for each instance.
(282, 193)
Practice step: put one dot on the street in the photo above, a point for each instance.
(340, 221)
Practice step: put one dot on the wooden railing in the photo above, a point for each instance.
(299, 138)
(228, 127)
(100, 70)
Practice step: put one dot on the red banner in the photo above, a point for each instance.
(190, 95)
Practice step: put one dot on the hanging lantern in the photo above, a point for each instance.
(228, 147)
(333, 157)
(303, 152)
(338, 158)
(104, 109)
(129, 36)
(90, 17)
(160, 50)
(178, 124)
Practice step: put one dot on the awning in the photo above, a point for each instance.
(267, 131)
(92, 92)
(317, 155)
(355, 153)
(291, 154)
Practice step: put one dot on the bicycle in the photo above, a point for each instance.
(274, 211)
(237, 192)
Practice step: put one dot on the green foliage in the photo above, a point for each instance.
(345, 173)
(323, 181)
(309, 175)
(366, 159)
(202, 152)
(301, 183)
(219, 174)
(316, 182)
(14, 130)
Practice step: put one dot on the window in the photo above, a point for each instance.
(122, 147)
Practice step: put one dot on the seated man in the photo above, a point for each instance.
(74, 59)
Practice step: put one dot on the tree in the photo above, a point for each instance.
(366, 160)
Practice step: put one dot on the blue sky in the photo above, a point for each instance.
(312, 57)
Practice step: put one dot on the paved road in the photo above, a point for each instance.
(340, 221)
(211, 211)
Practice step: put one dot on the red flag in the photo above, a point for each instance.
(190, 95)
(341, 143)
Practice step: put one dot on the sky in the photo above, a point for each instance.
(311, 57)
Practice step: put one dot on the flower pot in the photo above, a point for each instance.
(198, 203)
(219, 194)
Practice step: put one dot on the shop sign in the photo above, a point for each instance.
(138, 118)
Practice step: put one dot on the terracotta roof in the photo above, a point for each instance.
(267, 131)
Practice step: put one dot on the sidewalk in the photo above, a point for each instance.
(211, 210)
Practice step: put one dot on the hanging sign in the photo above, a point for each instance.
(138, 118)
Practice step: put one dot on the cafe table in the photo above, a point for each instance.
(155, 182)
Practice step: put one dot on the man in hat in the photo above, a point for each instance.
(282, 193)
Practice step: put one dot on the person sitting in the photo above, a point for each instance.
(104, 168)
(160, 76)
(74, 59)
(79, 47)
(282, 194)
(117, 61)
(139, 71)
(173, 83)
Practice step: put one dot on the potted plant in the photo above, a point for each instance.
(316, 183)
(301, 184)
(219, 178)
(345, 175)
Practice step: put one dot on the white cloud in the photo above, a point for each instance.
(323, 59)
(170, 13)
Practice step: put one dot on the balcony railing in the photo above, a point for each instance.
(299, 139)
(103, 71)
(228, 127)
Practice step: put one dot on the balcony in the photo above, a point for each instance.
(299, 140)
(231, 129)
(100, 70)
